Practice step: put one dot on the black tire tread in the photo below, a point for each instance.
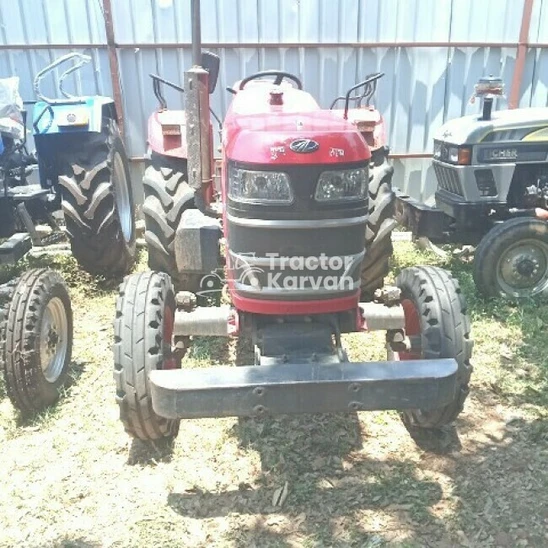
(445, 333)
(138, 349)
(87, 200)
(380, 223)
(27, 388)
(167, 197)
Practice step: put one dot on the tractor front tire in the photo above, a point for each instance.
(435, 312)
(380, 224)
(512, 259)
(167, 197)
(143, 329)
(37, 340)
(97, 201)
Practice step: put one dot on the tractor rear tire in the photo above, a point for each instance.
(515, 244)
(167, 197)
(143, 329)
(97, 200)
(435, 310)
(380, 224)
(36, 340)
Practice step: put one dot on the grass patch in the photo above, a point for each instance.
(72, 477)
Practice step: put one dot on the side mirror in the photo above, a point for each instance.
(211, 62)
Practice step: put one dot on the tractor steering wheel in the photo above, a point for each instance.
(279, 74)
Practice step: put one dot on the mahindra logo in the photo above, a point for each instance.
(304, 146)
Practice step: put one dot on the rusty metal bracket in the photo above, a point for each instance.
(114, 65)
(513, 101)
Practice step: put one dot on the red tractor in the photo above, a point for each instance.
(302, 203)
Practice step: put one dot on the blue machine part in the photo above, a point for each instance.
(82, 115)
(1, 145)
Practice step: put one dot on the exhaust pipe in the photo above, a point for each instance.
(487, 108)
(196, 33)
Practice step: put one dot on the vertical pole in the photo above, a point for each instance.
(198, 135)
(521, 53)
(113, 62)
(196, 34)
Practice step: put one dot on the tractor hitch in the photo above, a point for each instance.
(303, 388)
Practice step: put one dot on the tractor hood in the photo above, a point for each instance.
(505, 125)
(315, 137)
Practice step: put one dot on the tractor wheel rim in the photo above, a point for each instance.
(522, 270)
(412, 328)
(121, 196)
(169, 362)
(53, 340)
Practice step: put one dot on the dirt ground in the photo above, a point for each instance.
(71, 477)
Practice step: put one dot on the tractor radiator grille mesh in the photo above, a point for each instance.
(448, 179)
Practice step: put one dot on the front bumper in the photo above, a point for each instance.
(303, 388)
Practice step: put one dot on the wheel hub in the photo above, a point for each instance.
(526, 267)
(523, 268)
(53, 339)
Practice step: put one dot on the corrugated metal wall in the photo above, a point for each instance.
(329, 44)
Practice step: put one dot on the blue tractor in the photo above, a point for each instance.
(83, 163)
(80, 168)
(35, 309)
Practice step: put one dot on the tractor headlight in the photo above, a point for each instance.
(458, 155)
(259, 186)
(348, 184)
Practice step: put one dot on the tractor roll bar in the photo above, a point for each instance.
(156, 80)
(156, 86)
(368, 92)
(80, 60)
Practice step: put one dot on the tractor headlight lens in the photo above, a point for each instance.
(453, 154)
(259, 186)
(437, 150)
(348, 184)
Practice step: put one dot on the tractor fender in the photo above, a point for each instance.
(379, 134)
(167, 133)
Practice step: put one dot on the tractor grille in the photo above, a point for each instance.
(448, 179)
(486, 182)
